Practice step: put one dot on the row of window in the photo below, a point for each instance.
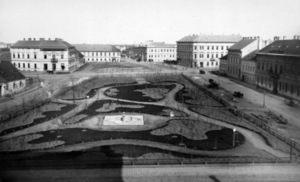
(233, 70)
(162, 50)
(15, 85)
(161, 56)
(34, 65)
(189, 47)
(100, 59)
(196, 56)
(22, 56)
(278, 68)
(234, 59)
(248, 68)
(101, 53)
(282, 86)
(249, 79)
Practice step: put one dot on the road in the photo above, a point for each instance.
(192, 173)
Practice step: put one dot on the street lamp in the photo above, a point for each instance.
(86, 101)
(233, 140)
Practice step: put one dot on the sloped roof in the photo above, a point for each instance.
(250, 57)
(224, 57)
(241, 44)
(96, 48)
(42, 44)
(163, 45)
(9, 73)
(290, 47)
(211, 38)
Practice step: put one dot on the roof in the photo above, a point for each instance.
(96, 48)
(9, 73)
(250, 57)
(211, 38)
(287, 47)
(224, 57)
(162, 45)
(42, 44)
(241, 44)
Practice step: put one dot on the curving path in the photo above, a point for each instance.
(252, 139)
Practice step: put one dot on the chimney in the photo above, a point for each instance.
(33, 38)
(295, 36)
(29, 38)
(275, 38)
(25, 39)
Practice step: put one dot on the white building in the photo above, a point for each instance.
(45, 55)
(204, 50)
(158, 52)
(99, 53)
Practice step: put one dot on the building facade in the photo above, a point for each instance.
(204, 51)
(11, 80)
(223, 64)
(154, 52)
(278, 68)
(160, 52)
(248, 68)
(99, 52)
(45, 55)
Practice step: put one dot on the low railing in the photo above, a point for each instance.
(257, 122)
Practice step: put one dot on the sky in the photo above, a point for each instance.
(135, 21)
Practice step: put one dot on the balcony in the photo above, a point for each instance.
(54, 60)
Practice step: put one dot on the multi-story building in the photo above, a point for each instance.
(239, 51)
(278, 67)
(154, 52)
(99, 52)
(45, 55)
(248, 68)
(11, 80)
(223, 64)
(159, 52)
(204, 50)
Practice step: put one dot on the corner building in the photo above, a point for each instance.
(204, 51)
(45, 55)
(278, 68)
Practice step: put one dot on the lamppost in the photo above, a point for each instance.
(233, 140)
(86, 101)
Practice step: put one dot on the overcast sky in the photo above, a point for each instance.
(129, 21)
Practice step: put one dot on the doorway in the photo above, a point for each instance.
(53, 67)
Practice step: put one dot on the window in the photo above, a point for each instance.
(45, 56)
(281, 69)
(195, 47)
(19, 56)
(34, 65)
(292, 89)
(34, 56)
(287, 69)
(286, 87)
(207, 63)
(23, 55)
(23, 65)
(28, 65)
(28, 56)
(62, 56)
(19, 65)
(217, 55)
(13, 55)
(217, 47)
(263, 66)
(212, 47)
(62, 66)
(207, 55)
(207, 47)
(222, 47)
(279, 86)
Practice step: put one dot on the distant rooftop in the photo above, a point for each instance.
(250, 57)
(211, 38)
(241, 44)
(163, 45)
(42, 44)
(96, 48)
(290, 47)
(9, 72)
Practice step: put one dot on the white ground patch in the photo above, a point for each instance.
(124, 120)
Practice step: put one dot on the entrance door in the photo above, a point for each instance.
(53, 67)
(201, 64)
(45, 67)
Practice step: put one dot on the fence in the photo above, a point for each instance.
(257, 122)
(119, 162)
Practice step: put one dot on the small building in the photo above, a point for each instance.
(12, 80)
(248, 68)
(223, 64)
(45, 55)
(204, 51)
(99, 52)
(160, 52)
(278, 67)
